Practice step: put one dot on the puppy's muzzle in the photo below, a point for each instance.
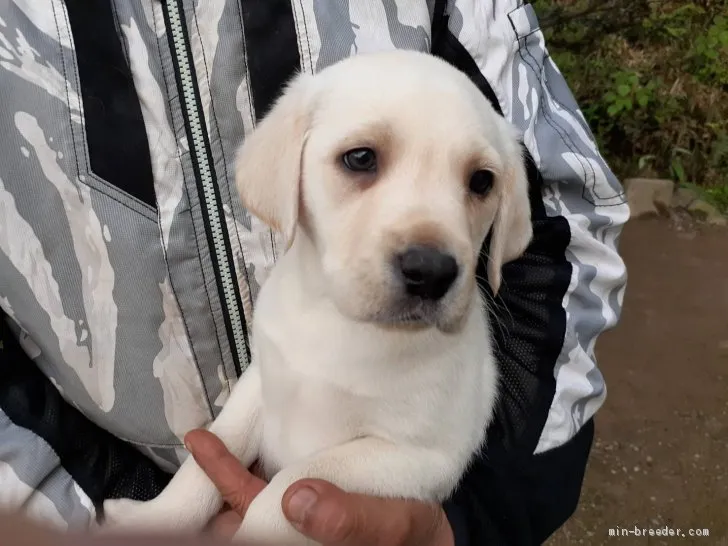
(426, 272)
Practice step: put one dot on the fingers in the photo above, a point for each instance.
(225, 524)
(332, 517)
(257, 470)
(318, 509)
(237, 486)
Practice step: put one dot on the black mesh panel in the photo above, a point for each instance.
(102, 465)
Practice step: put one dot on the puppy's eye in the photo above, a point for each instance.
(360, 160)
(481, 182)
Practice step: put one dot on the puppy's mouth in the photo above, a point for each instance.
(414, 313)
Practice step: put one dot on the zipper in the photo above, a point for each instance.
(209, 194)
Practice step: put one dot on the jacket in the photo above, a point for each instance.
(129, 269)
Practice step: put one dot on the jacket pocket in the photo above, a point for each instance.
(567, 147)
(84, 271)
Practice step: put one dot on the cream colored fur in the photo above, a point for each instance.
(339, 387)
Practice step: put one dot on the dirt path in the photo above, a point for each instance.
(661, 453)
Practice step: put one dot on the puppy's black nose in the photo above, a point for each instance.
(427, 272)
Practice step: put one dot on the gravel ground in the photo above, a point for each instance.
(660, 457)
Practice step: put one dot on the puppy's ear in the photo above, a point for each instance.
(512, 229)
(268, 164)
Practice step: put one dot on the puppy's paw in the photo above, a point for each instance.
(118, 515)
(263, 535)
(267, 526)
(130, 516)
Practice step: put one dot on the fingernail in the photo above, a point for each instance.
(300, 504)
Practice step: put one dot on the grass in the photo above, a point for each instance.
(652, 79)
(716, 195)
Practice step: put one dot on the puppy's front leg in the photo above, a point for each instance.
(367, 465)
(191, 499)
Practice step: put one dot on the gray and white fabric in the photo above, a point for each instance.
(120, 301)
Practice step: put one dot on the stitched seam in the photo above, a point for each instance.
(164, 248)
(75, 153)
(84, 148)
(547, 56)
(224, 162)
(194, 228)
(561, 263)
(65, 79)
(621, 194)
(248, 90)
(82, 130)
(184, 320)
(117, 23)
(197, 244)
(547, 116)
(74, 138)
(300, 56)
(147, 213)
(146, 444)
(587, 168)
(227, 176)
(245, 54)
(206, 184)
(145, 210)
(306, 36)
(68, 94)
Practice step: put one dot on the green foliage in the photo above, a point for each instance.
(677, 22)
(652, 79)
(715, 195)
(677, 169)
(628, 93)
(709, 54)
(718, 195)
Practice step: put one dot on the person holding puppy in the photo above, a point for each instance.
(131, 275)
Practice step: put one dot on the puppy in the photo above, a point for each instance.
(372, 361)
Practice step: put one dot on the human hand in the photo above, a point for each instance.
(237, 485)
(333, 517)
(318, 509)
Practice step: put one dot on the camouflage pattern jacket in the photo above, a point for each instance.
(129, 270)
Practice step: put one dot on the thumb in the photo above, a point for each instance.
(330, 516)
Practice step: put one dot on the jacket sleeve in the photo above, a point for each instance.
(55, 464)
(555, 300)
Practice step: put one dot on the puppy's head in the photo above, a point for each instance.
(396, 168)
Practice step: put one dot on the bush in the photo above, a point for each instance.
(652, 79)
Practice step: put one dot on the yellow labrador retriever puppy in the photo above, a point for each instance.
(372, 361)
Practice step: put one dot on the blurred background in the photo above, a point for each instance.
(652, 80)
